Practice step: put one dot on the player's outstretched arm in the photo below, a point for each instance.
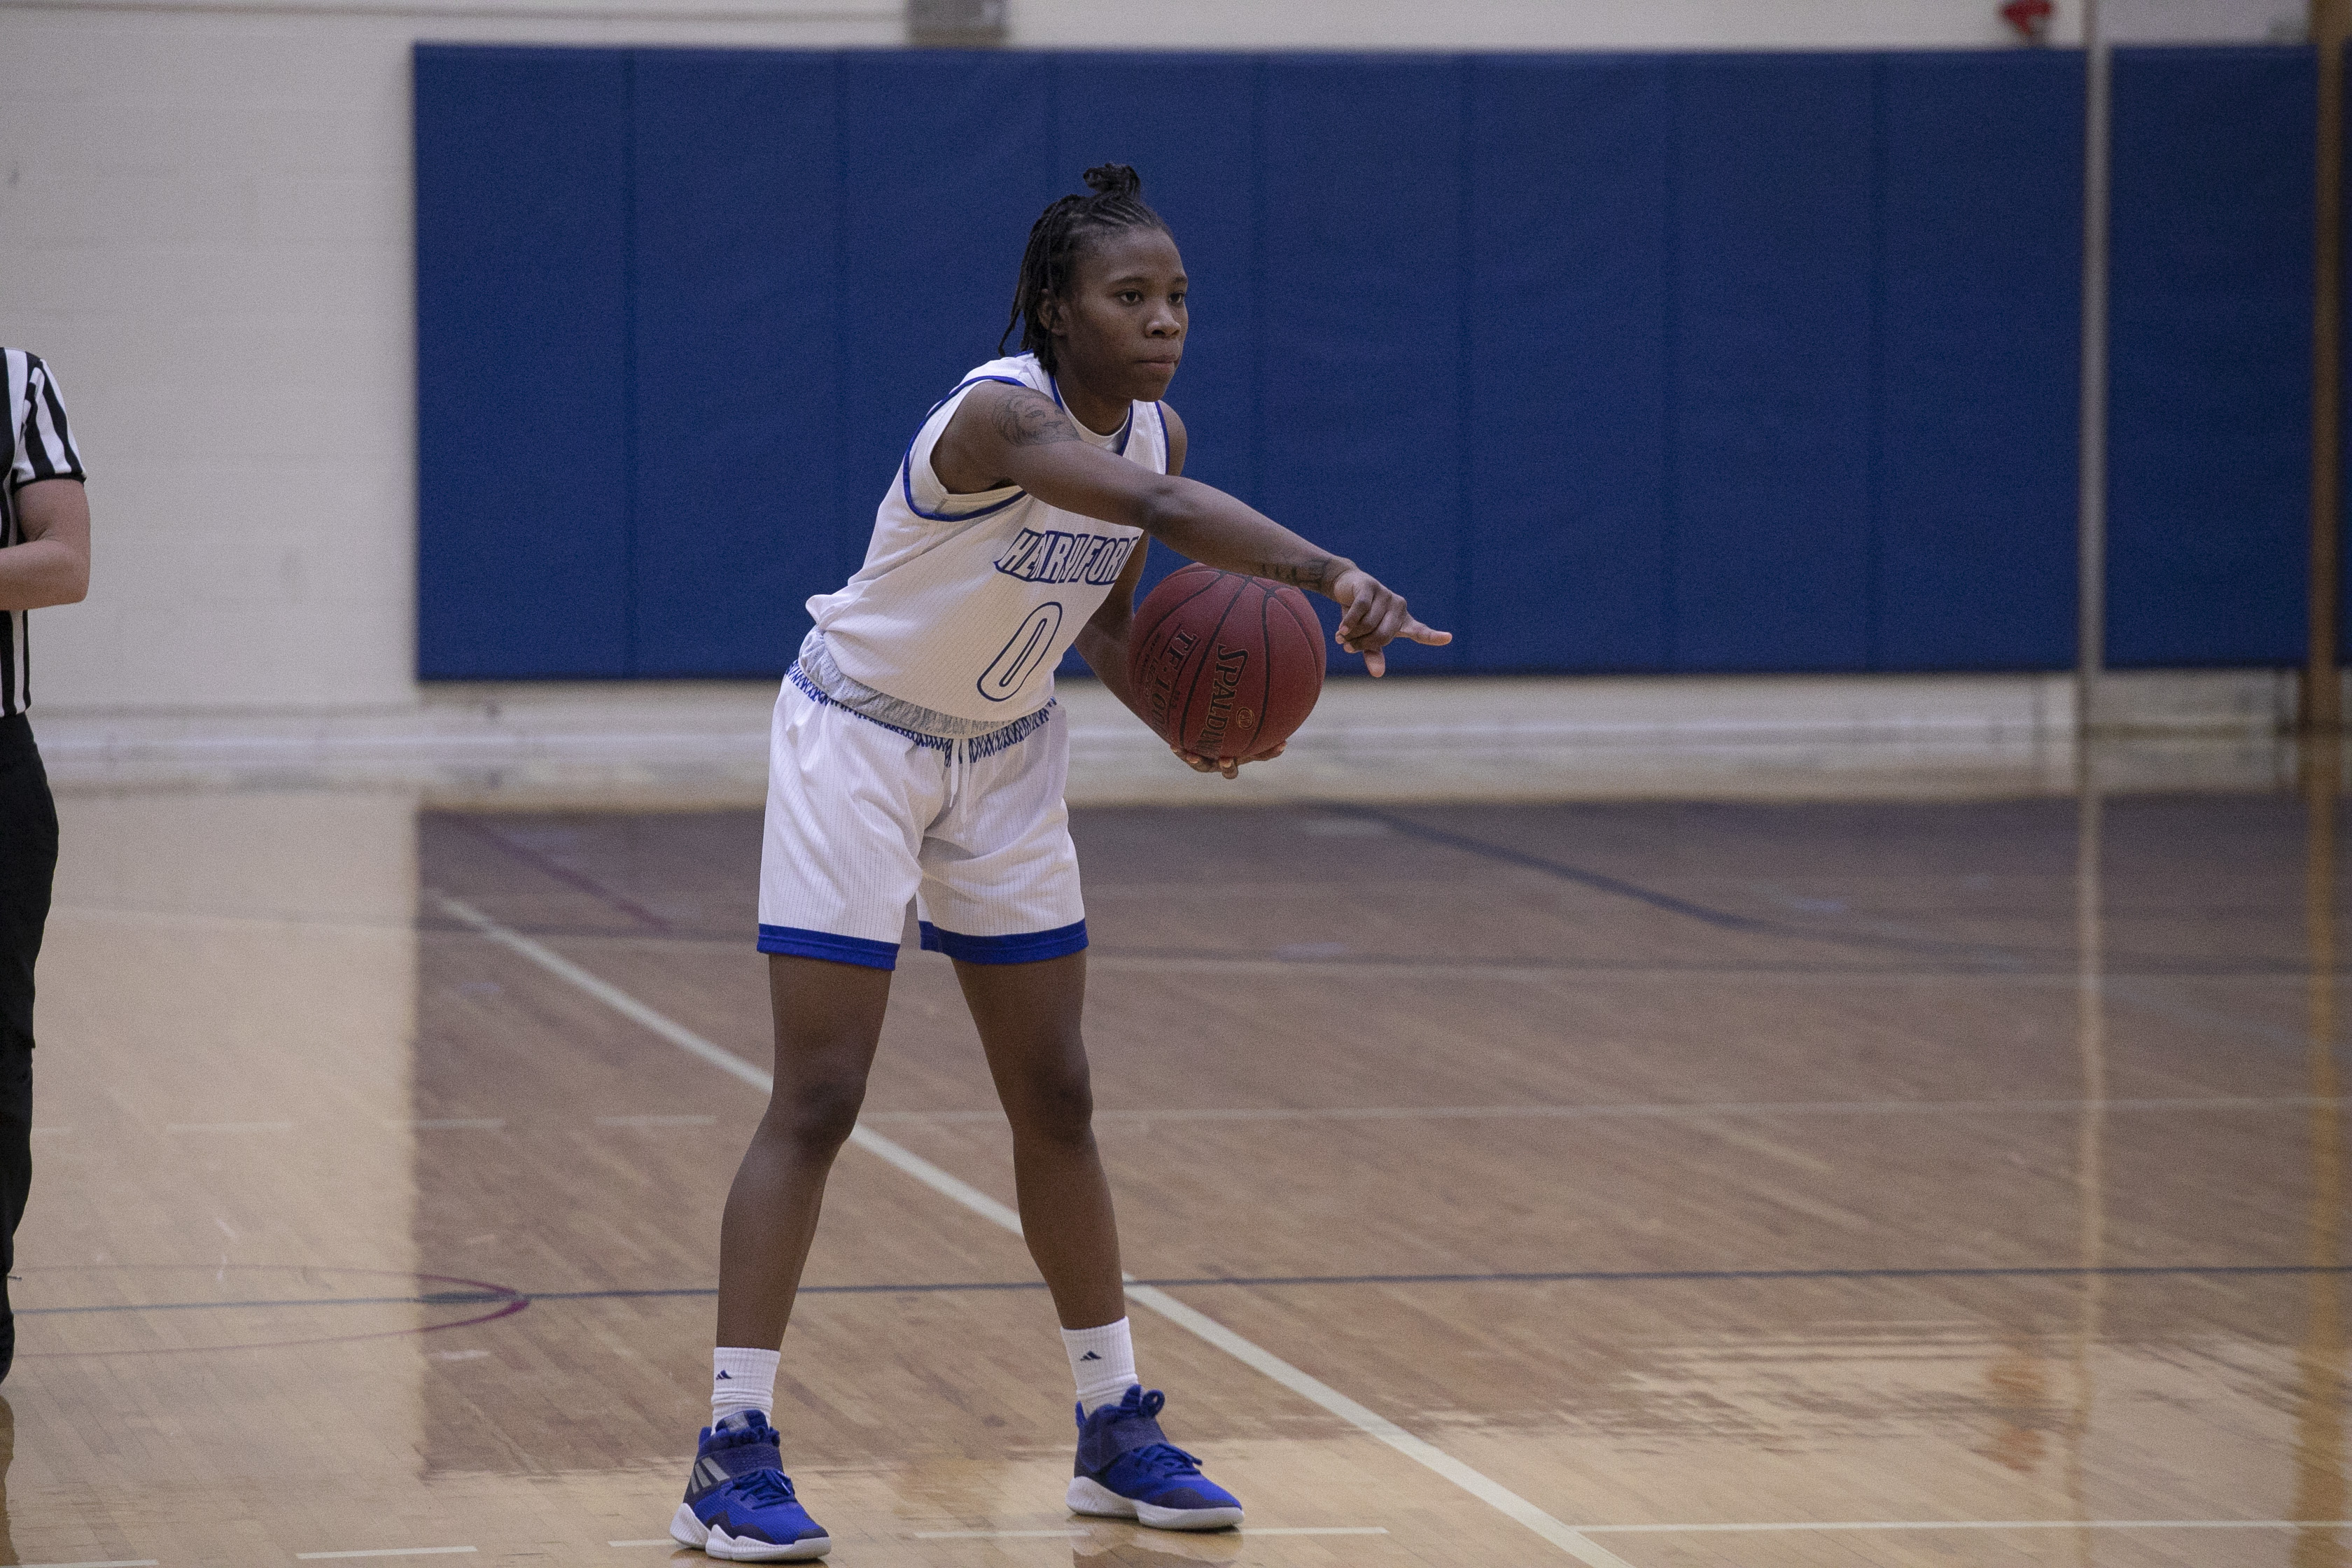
(1013, 435)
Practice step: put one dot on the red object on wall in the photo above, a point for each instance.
(2030, 18)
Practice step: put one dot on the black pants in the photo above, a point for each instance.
(29, 859)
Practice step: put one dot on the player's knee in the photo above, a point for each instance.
(1054, 1103)
(817, 1116)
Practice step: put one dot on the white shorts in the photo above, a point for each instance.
(863, 817)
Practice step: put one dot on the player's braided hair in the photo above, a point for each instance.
(1056, 240)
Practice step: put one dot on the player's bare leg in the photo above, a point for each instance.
(828, 1021)
(740, 1504)
(1028, 1019)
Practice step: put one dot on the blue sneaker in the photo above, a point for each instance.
(738, 1503)
(1126, 1468)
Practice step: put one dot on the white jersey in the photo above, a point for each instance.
(967, 603)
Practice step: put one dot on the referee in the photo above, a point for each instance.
(44, 559)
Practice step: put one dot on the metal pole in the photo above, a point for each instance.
(2091, 537)
(2323, 701)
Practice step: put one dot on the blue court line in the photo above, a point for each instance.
(1637, 1276)
(1580, 1275)
(436, 1299)
(548, 865)
(2057, 963)
(1722, 919)
(1978, 955)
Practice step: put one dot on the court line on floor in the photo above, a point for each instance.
(385, 1552)
(1933, 1524)
(1692, 1110)
(1670, 903)
(1428, 1455)
(1247, 1532)
(547, 865)
(2058, 969)
(1267, 1281)
(1674, 1111)
(1668, 1276)
(1104, 957)
(1318, 1530)
(1114, 960)
(451, 1298)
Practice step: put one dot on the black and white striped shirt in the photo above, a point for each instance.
(37, 446)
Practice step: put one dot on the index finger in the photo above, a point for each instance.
(1429, 636)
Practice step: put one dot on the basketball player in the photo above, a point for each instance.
(917, 752)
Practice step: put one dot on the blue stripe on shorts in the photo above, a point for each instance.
(796, 942)
(1022, 947)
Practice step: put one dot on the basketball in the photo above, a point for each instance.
(1225, 665)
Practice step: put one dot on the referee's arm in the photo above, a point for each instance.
(51, 564)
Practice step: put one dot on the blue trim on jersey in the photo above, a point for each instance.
(1022, 947)
(1160, 412)
(907, 463)
(797, 942)
(1126, 426)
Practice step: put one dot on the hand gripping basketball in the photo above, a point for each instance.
(1224, 666)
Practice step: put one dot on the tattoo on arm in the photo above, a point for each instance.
(1030, 419)
(1316, 573)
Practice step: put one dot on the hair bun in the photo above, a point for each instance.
(1114, 179)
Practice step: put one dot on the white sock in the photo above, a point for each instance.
(742, 1380)
(1102, 1363)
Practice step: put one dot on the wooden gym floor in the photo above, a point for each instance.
(1656, 1185)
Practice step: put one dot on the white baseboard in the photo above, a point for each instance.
(1427, 738)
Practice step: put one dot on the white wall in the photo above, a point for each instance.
(1617, 24)
(205, 225)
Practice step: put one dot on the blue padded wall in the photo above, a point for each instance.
(945, 163)
(1610, 363)
(522, 345)
(1569, 307)
(1361, 264)
(737, 513)
(1979, 334)
(2209, 451)
(1769, 537)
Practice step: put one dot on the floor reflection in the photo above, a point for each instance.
(2091, 1139)
(2319, 1488)
(1168, 1550)
(7, 1458)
